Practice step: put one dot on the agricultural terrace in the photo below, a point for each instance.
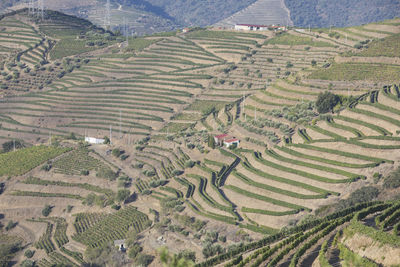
(164, 97)
(23, 160)
(326, 241)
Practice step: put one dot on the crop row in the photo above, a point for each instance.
(315, 177)
(112, 227)
(281, 158)
(311, 188)
(24, 160)
(301, 228)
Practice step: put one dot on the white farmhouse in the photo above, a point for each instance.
(95, 141)
(250, 27)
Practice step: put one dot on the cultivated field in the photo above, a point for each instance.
(159, 101)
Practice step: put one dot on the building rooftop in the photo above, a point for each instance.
(231, 140)
(251, 25)
(221, 136)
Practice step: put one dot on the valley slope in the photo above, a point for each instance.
(159, 101)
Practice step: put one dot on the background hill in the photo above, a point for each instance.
(317, 114)
(340, 13)
(148, 16)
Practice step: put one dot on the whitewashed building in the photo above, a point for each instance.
(95, 141)
(250, 27)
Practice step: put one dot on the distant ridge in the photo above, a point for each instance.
(261, 12)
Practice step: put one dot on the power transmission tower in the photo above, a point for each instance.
(126, 32)
(107, 17)
(41, 4)
(31, 7)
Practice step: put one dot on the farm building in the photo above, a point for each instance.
(219, 139)
(250, 27)
(277, 28)
(120, 244)
(95, 141)
(231, 142)
(186, 30)
(224, 139)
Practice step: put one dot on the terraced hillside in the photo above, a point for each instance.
(158, 101)
(340, 238)
(262, 12)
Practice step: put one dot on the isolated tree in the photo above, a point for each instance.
(46, 210)
(9, 146)
(169, 260)
(326, 102)
(122, 195)
(211, 141)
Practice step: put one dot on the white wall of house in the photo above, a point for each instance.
(92, 140)
(239, 27)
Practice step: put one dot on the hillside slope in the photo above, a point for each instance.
(341, 13)
(262, 12)
(148, 16)
(158, 102)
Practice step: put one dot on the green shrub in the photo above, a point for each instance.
(326, 102)
(29, 253)
(116, 152)
(46, 167)
(10, 225)
(122, 195)
(46, 210)
(107, 174)
(189, 164)
(144, 260)
(28, 263)
(364, 194)
(9, 146)
(393, 180)
(134, 251)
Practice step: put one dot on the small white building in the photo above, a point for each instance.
(250, 27)
(230, 142)
(120, 244)
(95, 141)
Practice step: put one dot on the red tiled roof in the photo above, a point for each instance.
(221, 136)
(231, 140)
(251, 25)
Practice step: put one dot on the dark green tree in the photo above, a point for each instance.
(211, 142)
(9, 146)
(326, 102)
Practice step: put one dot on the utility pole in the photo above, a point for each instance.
(129, 137)
(243, 104)
(110, 134)
(14, 144)
(255, 113)
(120, 124)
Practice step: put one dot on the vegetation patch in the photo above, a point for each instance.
(357, 72)
(289, 39)
(23, 160)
